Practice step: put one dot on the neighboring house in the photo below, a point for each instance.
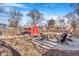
(3, 26)
(61, 24)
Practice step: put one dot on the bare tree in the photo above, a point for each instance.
(35, 15)
(51, 23)
(12, 23)
(73, 24)
(62, 21)
(75, 6)
(15, 16)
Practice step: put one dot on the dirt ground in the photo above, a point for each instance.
(23, 46)
(20, 46)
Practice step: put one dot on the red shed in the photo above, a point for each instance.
(35, 30)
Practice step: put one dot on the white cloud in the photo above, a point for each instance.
(55, 17)
(13, 5)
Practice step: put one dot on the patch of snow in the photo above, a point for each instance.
(72, 45)
(52, 44)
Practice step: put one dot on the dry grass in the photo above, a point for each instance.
(24, 46)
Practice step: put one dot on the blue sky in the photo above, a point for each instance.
(48, 9)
